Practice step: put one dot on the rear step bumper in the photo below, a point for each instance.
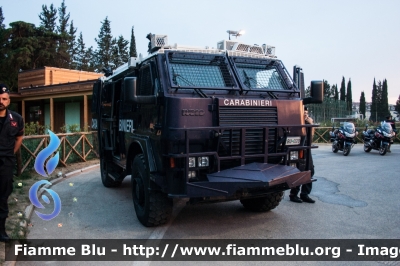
(249, 180)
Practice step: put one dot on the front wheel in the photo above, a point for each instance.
(263, 204)
(152, 207)
(334, 147)
(346, 150)
(367, 148)
(383, 149)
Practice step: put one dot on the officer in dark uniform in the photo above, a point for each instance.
(393, 124)
(11, 133)
(305, 188)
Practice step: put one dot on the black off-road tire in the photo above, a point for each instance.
(105, 179)
(152, 207)
(263, 204)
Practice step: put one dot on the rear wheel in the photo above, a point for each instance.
(152, 207)
(367, 148)
(263, 204)
(105, 178)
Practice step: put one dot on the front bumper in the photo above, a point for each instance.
(249, 180)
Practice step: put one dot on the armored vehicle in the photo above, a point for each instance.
(203, 124)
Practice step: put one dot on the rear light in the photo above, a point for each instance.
(172, 162)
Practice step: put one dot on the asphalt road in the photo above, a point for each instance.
(356, 197)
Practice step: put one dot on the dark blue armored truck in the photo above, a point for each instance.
(208, 125)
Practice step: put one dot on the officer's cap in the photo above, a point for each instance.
(4, 89)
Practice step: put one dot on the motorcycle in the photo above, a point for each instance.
(343, 138)
(379, 138)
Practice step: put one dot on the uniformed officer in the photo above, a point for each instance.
(305, 188)
(11, 133)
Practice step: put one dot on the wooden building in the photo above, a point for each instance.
(55, 97)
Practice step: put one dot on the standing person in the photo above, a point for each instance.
(392, 123)
(305, 188)
(11, 133)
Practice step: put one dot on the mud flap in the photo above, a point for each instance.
(256, 176)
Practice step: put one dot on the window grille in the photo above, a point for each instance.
(199, 71)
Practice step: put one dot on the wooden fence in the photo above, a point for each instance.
(74, 147)
(78, 147)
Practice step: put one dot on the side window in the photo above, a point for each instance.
(146, 81)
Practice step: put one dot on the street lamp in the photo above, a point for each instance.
(235, 33)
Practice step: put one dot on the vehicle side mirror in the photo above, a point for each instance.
(130, 93)
(316, 92)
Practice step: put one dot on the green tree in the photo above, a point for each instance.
(349, 97)
(62, 28)
(343, 90)
(83, 56)
(48, 18)
(327, 89)
(27, 47)
(2, 26)
(362, 104)
(397, 107)
(72, 44)
(132, 49)
(336, 92)
(105, 44)
(120, 52)
(63, 56)
(384, 104)
(374, 103)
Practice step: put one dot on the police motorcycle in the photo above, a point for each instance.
(379, 138)
(343, 138)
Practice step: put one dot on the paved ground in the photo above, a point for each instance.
(357, 198)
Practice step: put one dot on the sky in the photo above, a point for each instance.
(357, 39)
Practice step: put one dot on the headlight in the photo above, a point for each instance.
(203, 161)
(192, 162)
(350, 135)
(192, 174)
(294, 155)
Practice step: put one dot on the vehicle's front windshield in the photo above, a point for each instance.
(260, 75)
(349, 127)
(386, 127)
(199, 71)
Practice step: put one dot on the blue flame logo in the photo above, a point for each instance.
(35, 201)
(40, 169)
(45, 153)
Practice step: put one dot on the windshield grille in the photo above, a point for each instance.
(199, 71)
(256, 74)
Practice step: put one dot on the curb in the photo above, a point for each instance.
(29, 210)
